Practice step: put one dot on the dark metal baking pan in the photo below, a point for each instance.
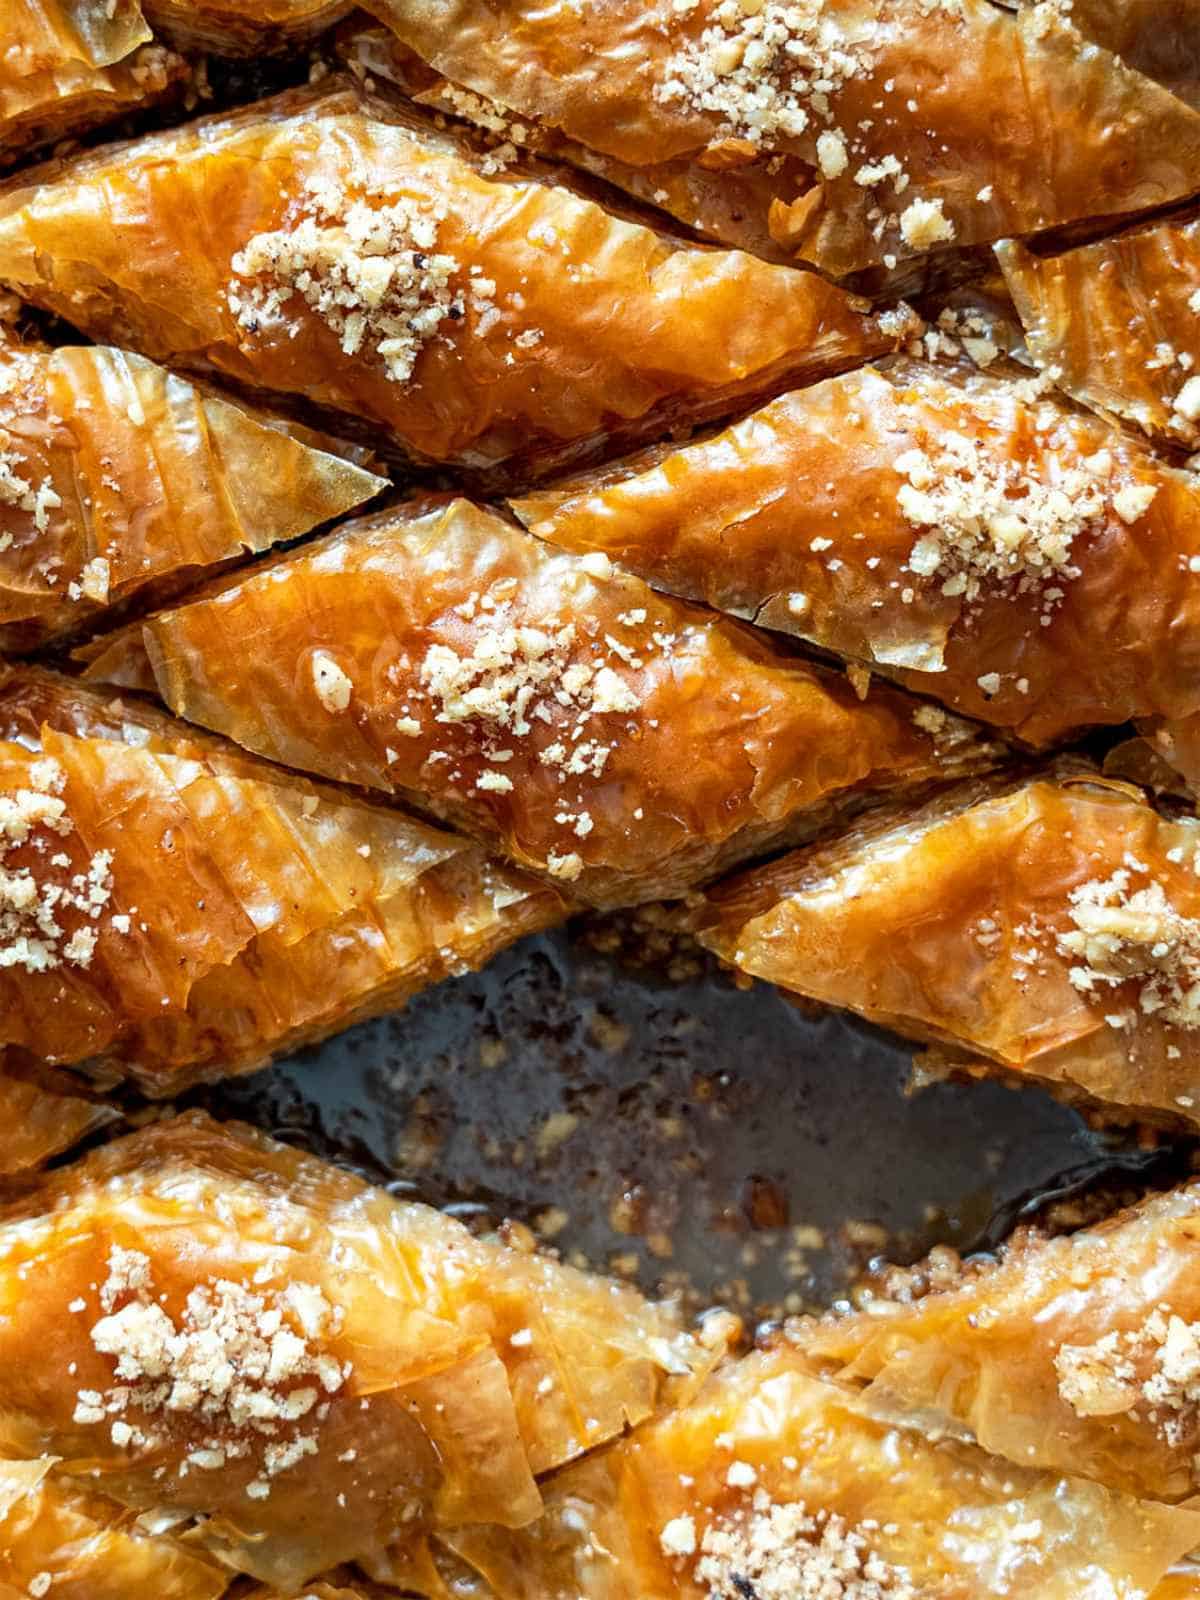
(652, 1117)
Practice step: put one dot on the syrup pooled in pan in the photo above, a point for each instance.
(658, 1121)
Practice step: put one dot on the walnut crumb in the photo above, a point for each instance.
(1125, 935)
(331, 683)
(781, 1552)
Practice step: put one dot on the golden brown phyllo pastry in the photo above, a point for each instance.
(118, 477)
(174, 910)
(60, 1536)
(1023, 563)
(236, 28)
(43, 1112)
(245, 1345)
(772, 1485)
(382, 269)
(1117, 323)
(626, 743)
(729, 205)
(1160, 38)
(67, 65)
(1048, 928)
(1080, 1353)
(910, 125)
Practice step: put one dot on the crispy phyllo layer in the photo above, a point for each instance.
(1079, 1353)
(1177, 743)
(1160, 38)
(176, 910)
(626, 743)
(374, 267)
(1048, 928)
(42, 1113)
(729, 205)
(67, 65)
(1027, 565)
(295, 1368)
(338, 1586)
(773, 1485)
(235, 28)
(922, 123)
(1117, 324)
(60, 1538)
(116, 475)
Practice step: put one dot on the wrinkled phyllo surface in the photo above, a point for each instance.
(625, 743)
(174, 910)
(234, 27)
(1080, 1353)
(1028, 565)
(66, 65)
(42, 1113)
(1048, 928)
(878, 129)
(293, 1369)
(776, 1486)
(1116, 323)
(61, 1537)
(728, 205)
(116, 477)
(1160, 38)
(379, 268)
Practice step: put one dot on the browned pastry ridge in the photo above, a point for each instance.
(1047, 928)
(120, 480)
(383, 269)
(1076, 1353)
(872, 131)
(65, 67)
(243, 1345)
(626, 743)
(1117, 323)
(1026, 564)
(173, 910)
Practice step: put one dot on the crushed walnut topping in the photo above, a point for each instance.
(768, 69)
(770, 73)
(1155, 1367)
(93, 584)
(782, 1552)
(372, 273)
(18, 492)
(985, 519)
(244, 1362)
(40, 897)
(924, 225)
(1123, 935)
(517, 676)
(333, 687)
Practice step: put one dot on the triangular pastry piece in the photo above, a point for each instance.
(66, 67)
(288, 1367)
(1116, 324)
(173, 910)
(1075, 1353)
(1045, 930)
(775, 1485)
(120, 480)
